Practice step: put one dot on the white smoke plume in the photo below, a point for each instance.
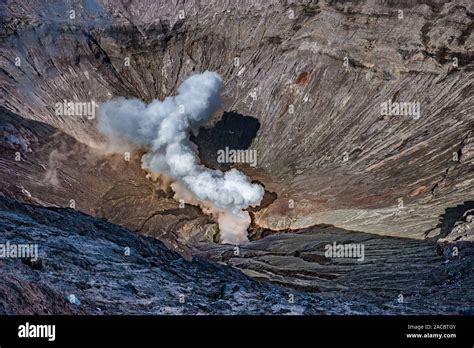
(163, 129)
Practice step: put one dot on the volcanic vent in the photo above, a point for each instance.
(163, 128)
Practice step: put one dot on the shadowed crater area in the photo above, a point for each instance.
(234, 131)
(452, 215)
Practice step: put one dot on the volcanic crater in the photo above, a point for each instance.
(303, 92)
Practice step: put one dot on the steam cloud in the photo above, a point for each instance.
(162, 128)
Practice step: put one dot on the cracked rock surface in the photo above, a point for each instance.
(428, 282)
(86, 257)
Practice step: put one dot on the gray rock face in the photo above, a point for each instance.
(387, 268)
(111, 270)
(463, 230)
(461, 236)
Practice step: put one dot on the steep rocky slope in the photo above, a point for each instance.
(54, 169)
(88, 266)
(312, 73)
(428, 276)
(110, 270)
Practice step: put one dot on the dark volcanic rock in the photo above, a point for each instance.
(86, 258)
(428, 282)
(460, 240)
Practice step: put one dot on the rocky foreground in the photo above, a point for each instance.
(87, 265)
(84, 268)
